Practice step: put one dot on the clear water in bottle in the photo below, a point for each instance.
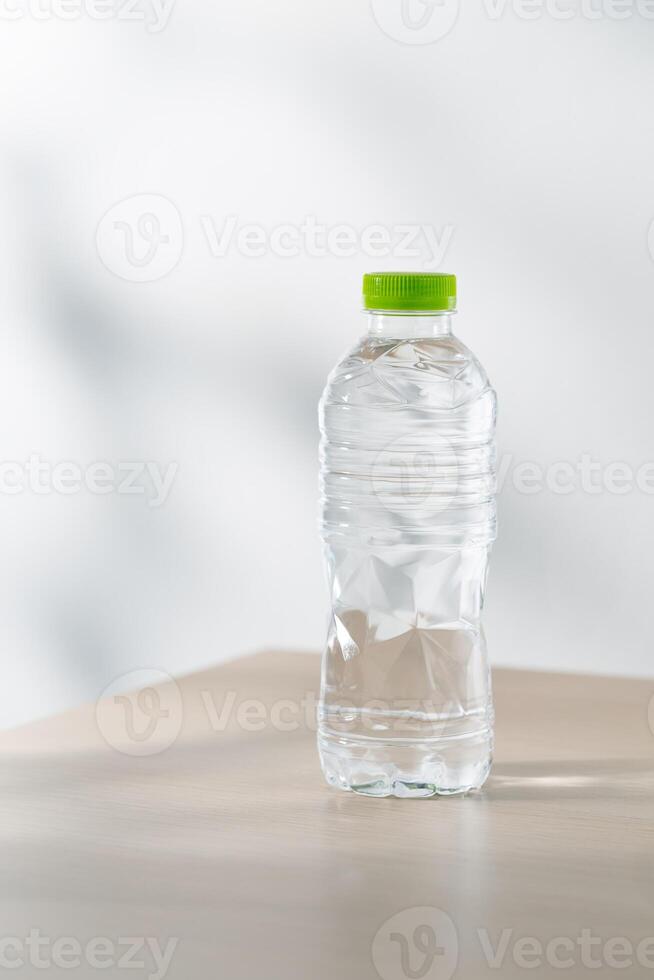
(407, 518)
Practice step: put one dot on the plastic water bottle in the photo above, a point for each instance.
(408, 519)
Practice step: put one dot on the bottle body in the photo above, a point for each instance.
(407, 518)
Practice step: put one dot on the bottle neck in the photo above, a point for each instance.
(408, 325)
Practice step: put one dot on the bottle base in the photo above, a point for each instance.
(408, 767)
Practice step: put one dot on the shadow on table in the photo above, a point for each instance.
(587, 779)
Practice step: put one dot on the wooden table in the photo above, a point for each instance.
(222, 835)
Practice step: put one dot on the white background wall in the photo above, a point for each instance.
(526, 145)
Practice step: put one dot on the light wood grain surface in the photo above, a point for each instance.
(222, 835)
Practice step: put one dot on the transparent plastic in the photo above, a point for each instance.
(407, 460)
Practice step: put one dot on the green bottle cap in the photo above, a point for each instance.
(425, 291)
